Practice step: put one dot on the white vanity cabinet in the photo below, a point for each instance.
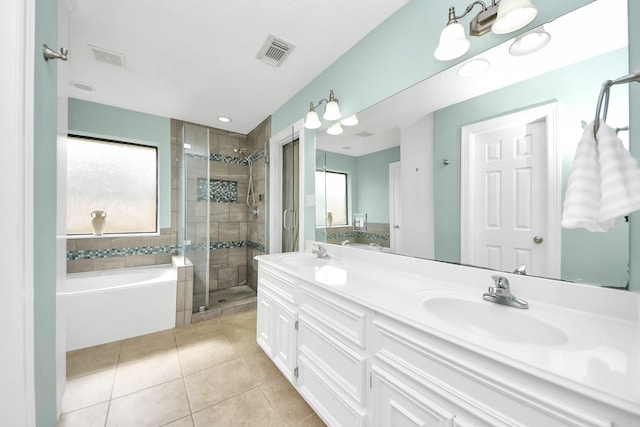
(332, 359)
(419, 379)
(360, 359)
(276, 319)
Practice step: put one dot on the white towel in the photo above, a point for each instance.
(604, 183)
(619, 177)
(582, 199)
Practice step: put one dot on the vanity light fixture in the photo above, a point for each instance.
(335, 129)
(473, 68)
(349, 121)
(530, 42)
(331, 112)
(501, 17)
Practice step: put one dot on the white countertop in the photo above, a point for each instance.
(597, 354)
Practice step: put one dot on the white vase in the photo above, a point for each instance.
(98, 218)
(329, 219)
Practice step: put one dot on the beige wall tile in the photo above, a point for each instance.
(140, 260)
(79, 265)
(110, 263)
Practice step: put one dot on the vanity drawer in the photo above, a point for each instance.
(346, 319)
(341, 365)
(278, 282)
(329, 402)
(471, 386)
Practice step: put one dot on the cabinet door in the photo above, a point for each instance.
(284, 338)
(398, 405)
(265, 314)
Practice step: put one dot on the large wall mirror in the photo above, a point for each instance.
(411, 176)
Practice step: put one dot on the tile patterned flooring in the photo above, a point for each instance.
(210, 373)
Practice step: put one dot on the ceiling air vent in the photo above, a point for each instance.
(110, 57)
(274, 51)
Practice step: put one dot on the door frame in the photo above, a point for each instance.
(395, 237)
(276, 142)
(467, 204)
(17, 28)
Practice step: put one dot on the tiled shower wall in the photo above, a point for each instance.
(258, 142)
(236, 236)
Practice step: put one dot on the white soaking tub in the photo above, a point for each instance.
(110, 305)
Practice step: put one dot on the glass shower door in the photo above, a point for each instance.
(290, 196)
(196, 176)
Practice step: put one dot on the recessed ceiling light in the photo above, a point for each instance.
(473, 68)
(82, 85)
(224, 119)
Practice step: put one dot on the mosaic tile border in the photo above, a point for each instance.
(358, 234)
(230, 159)
(155, 250)
(119, 252)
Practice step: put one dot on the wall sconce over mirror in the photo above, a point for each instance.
(331, 112)
(501, 17)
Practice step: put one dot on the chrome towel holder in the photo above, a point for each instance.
(603, 98)
(49, 53)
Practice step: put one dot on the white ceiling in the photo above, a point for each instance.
(195, 60)
(573, 39)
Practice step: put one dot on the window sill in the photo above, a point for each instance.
(109, 236)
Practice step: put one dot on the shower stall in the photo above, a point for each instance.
(217, 215)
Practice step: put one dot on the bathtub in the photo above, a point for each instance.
(111, 305)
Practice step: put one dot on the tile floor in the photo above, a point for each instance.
(210, 373)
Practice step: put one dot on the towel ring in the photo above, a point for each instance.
(603, 99)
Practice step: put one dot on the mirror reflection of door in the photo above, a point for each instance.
(509, 192)
(395, 215)
(290, 186)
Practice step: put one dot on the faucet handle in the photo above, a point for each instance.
(522, 269)
(501, 282)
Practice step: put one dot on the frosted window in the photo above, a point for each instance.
(118, 178)
(331, 196)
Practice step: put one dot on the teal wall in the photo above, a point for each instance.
(102, 121)
(395, 55)
(373, 184)
(45, 177)
(634, 136)
(583, 253)
(368, 180)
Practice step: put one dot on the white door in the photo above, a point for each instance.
(511, 198)
(395, 216)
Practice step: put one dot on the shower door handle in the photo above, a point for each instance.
(284, 219)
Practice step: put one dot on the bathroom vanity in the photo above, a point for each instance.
(372, 338)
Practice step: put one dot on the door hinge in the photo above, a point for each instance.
(296, 325)
(295, 372)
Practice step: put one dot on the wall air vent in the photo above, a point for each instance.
(110, 57)
(274, 51)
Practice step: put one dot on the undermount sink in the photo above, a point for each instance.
(505, 324)
(304, 260)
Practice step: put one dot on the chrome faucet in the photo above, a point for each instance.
(522, 270)
(501, 294)
(345, 243)
(320, 251)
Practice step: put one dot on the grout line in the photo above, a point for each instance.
(113, 383)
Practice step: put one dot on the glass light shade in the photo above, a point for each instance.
(332, 111)
(530, 42)
(312, 121)
(335, 129)
(349, 121)
(513, 15)
(473, 68)
(453, 43)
